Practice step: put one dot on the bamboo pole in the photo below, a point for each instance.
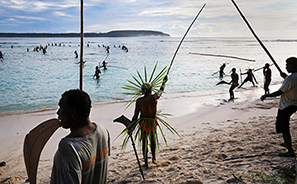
(184, 38)
(260, 42)
(81, 44)
(216, 55)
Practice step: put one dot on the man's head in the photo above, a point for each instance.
(291, 64)
(74, 104)
(146, 88)
(266, 65)
(233, 70)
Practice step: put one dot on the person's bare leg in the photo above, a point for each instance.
(153, 150)
(288, 142)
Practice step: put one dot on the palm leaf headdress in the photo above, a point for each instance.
(135, 87)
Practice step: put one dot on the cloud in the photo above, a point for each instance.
(61, 14)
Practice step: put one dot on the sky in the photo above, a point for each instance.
(219, 18)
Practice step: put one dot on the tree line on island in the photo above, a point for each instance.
(120, 33)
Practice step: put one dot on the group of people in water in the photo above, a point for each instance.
(35, 49)
(39, 48)
(249, 78)
(104, 63)
(98, 71)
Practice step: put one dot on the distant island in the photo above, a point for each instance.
(122, 33)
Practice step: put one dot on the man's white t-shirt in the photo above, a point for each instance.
(289, 89)
(82, 160)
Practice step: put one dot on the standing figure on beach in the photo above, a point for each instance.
(76, 54)
(250, 77)
(267, 76)
(82, 156)
(233, 82)
(97, 72)
(222, 73)
(287, 105)
(1, 55)
(147, 107)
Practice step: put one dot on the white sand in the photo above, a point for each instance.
(217, 141)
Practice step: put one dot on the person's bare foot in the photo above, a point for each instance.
(154, 161)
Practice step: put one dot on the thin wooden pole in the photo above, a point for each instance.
(216, 55)
(260, 42)
(184, 38)
(81, 44)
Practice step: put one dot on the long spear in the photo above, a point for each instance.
(260, 42)
(184, 37)
(81, 44)
(218, 55)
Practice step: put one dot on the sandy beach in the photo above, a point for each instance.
(220, 143)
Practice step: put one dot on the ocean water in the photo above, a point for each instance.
(31, 81)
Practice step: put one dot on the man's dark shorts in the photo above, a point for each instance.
(283, 119)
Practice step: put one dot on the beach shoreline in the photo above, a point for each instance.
(218, 140)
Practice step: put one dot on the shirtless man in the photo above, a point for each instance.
(97, 72)
(267, 75)
(147, 107)
(250, 77)
(222, 73)
(76, 54)
(233, 82)
(104, 65)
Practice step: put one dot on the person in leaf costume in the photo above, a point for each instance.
(146, 106)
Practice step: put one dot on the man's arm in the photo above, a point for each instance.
(283, 75)
(274, 94)
(136, 111)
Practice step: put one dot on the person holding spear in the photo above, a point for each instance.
(147, 107)
(288, 100)
(287, 105)
(250, 77)
(222, 73)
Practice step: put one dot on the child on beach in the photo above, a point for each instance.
(287, 104)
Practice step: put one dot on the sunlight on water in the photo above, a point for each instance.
(33, 80)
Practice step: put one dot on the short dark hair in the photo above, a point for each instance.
(79, 100)
(292, 60)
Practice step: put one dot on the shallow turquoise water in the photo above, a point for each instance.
(32, 80)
